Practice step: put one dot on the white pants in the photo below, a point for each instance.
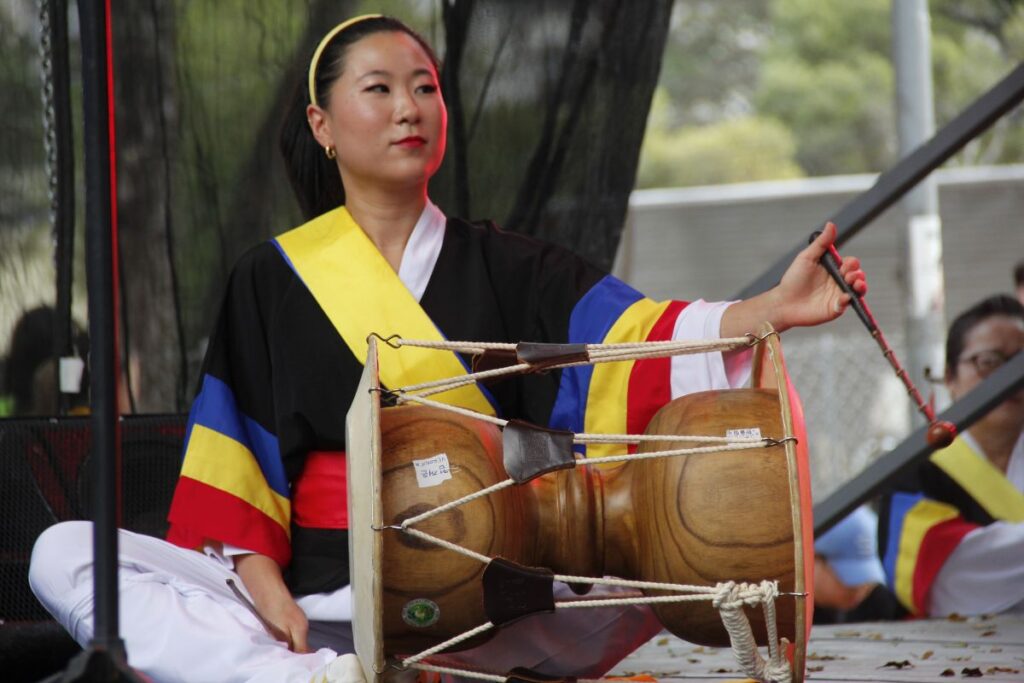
(179, 619)
(181, 622)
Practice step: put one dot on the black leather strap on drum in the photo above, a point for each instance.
(530, 451)
(492, 359)
(542, 356)
(521, 675)
(512, 591)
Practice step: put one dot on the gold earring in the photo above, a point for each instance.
(329, 151)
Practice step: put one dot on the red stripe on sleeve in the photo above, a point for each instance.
(939, 541)
(200, 512)
(650, 381)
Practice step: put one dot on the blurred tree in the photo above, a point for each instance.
(237, 77)
(146, 117)
(827, 75)
(712, 60)
(734, 150)
(974, 44)
(821, 70)
(26, 257)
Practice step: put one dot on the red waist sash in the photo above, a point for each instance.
(320, 495)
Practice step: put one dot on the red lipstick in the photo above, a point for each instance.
(411, 141)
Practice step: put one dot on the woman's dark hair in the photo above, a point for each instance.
(313, 176)
(999, 304)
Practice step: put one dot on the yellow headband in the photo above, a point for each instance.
(323, 45)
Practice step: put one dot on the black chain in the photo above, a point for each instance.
(49, 125)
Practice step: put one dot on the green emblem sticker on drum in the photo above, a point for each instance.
(421, 613)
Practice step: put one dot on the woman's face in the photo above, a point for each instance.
(986, 346)
(385, 116)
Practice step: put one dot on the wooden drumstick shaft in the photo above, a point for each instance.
(831, 261)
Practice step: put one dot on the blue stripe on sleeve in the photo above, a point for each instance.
(589, 323)
(215, 407)
(898, 508)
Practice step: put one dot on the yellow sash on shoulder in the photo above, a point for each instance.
(361, 294)
(980, 478)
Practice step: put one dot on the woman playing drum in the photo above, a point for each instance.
(264, 465)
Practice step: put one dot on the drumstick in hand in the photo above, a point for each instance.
(940, 432)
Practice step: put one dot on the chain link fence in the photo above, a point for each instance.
(855, 407)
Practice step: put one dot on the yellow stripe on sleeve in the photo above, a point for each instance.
(919, 519)
(223, 463)
(609, 385)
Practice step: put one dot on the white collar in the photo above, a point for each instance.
(422, 250)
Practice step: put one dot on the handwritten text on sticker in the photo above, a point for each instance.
(432, 471)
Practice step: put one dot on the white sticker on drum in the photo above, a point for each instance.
(432, 471)
(748, 433)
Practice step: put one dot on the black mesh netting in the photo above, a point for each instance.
(47, 478)
(547, 101)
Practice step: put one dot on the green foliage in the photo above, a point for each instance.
(735, 150)
(828, 78)
(711, 44)
(229, 68)
(816, 75)
(839, 126)
(820, 32)
(974, 45)
(21, 135)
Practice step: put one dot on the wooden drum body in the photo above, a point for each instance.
(740, 515)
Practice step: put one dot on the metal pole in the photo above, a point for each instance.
(102, 353)
(921, 243)
(104, 659)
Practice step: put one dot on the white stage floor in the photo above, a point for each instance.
(990, 648)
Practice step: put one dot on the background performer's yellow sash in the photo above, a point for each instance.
(979, 477)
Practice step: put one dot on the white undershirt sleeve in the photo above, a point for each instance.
(704, 371)
(983, 575)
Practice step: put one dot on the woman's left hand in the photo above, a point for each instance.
(807, 294)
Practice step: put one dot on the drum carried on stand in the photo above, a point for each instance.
(436, 497)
